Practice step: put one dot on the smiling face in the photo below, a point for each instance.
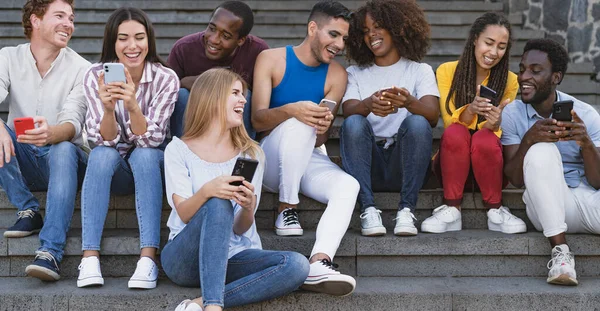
(490, 46)
(378, 39)
(235, 105)
(536, 79)
(56, 26)
(221, 37)
(329, 39)
(132, 44)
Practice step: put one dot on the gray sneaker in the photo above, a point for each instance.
(562, 266)
(370, 222)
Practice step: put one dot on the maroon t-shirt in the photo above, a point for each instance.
(187, 57)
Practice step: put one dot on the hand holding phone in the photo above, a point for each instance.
(244, 167)
(23, 124)
(391, 90)
(561, 110)
(488, 93)
(329, 104)
(114, 72)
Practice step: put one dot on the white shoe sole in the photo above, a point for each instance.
(405, 231)
(289, 232)
(441, 228)
(91, 281)
(507, 229)
(19, 234)
(42, 273)
(562, 279)
(141, 284)
(376, 231)
(336, 285)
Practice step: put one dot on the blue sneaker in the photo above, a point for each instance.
(28, 223)
(44, 267)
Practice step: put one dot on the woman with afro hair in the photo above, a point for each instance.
(470, 145)
(390, 105)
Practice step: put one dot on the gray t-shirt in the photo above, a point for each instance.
(518, 117)
(186, 173)
(417, 78)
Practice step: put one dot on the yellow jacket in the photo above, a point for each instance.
(445, 74)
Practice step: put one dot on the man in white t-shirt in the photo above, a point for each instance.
(391, 104)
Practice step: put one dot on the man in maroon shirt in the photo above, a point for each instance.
(225, 43)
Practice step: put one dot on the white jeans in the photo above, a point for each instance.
(551, 205)
(294, 166)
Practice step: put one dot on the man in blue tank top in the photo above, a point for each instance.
(289, 84)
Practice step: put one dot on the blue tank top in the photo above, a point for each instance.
(300, 82)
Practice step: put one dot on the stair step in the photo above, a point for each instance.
(372, 293)
(464, 253)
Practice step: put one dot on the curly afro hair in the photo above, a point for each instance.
(405, 21)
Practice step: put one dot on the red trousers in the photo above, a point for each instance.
(459, 152)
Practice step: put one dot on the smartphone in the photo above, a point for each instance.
(561, 110)
(244, 167)
(114, 72)
(329, 104)
(488, 93)
(389, 89)
(23, 124)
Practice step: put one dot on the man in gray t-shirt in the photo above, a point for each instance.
(42, 82)
(558, 162)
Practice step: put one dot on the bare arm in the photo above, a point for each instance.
(187, 82)
(339, 79)
(427, 106)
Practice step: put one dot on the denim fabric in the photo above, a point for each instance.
(177, 117)
(401, 167)
(140, 172)
(57, 168)
(197, 256)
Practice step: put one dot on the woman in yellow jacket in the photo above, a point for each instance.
(470, 142)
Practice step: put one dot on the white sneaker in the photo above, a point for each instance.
(145, 275)
(370, 222)
(89, 272)
(562, 266)
(287, 223)
(405, 222)
(323, 278)
(188, 305)
(444, 218)
(500, 219)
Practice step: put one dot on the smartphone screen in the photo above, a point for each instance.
(244, 167)
(561, 110)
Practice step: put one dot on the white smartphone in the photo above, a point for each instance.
(329, 104)
(114, 72)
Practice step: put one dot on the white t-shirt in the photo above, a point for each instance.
(417, 78)
(186, 173)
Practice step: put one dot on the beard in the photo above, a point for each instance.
(541, 93)
(315, 49)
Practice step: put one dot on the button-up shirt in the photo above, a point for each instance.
(518, 117)
(57, 96)
(156, 95)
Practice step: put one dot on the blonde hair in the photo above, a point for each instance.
(208, 101)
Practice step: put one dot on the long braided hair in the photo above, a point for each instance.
(464, 83)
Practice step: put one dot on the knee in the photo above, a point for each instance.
(296, 129)
(61, 151)
(217, 209)
(417, 127)
(354, 126)
(542, 157)
(346, 187)
(103, 154)
(145, 157)
(486, 144)
(297, 267)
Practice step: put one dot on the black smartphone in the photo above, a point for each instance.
(561, 110)
(244, 167)
(488, 93)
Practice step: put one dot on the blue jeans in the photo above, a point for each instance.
(140, 172)
(57, 168)
(197, 256)
(402, 167)
(177, 117)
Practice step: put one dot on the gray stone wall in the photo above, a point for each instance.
(574, 23)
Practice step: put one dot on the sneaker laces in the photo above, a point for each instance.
(504, 210)
(26, 213)
(46, 256)
(371, 216)
(329, 264)
(559, 257)
(402, 212)
(290, 217)
(440, 208)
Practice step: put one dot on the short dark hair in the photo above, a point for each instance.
(557, 54)
(37, 7)
(325, 10)
(241, 10)
(111, 32)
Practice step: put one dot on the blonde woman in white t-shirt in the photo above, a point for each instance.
(213, 242)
